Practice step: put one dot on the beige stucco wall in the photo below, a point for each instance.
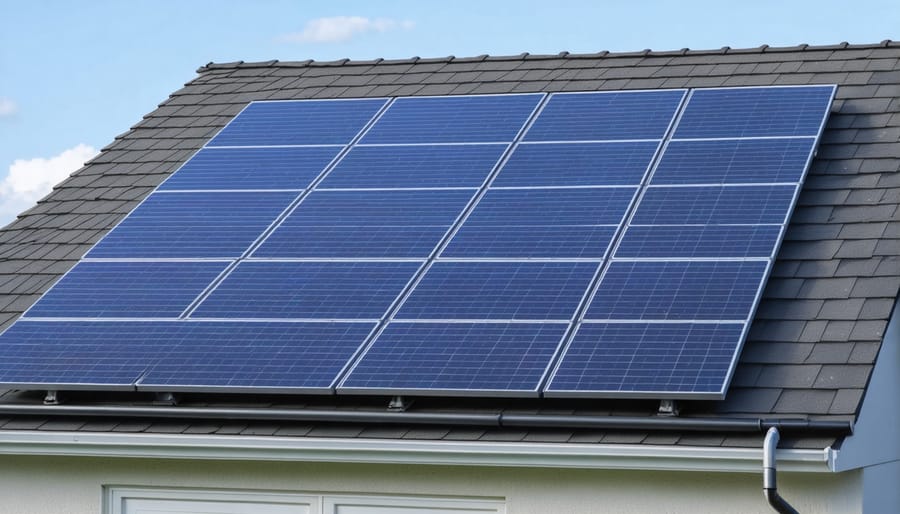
(43, 485)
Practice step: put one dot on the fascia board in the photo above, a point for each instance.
(378, 451)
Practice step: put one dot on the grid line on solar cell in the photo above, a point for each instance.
(251, 168)
(457, 357)
(254, 355)
(606, 116)
(702, 241)
(497, 118)
(386, 224)
(666, 358)
(498, 290)
(586, 164)
(425, 166)
(299, 122)
(186, 225)
(126, 289)
(673, 290)
(734, 161)
(541, 223)
(714, 205)
(329, 290)
(755, 111)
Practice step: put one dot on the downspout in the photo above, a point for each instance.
(770, 486)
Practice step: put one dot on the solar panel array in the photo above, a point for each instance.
(572, 244)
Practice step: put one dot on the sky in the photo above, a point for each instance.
(73, 75)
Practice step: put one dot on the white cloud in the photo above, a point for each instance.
(7, 107)
(337, 29)
(29, 180)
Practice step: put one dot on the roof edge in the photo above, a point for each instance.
(536, 57)
(384, 451)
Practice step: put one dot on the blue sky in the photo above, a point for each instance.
(73, 75)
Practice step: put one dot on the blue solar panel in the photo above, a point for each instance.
(302, 122)
(677, 290)
(366, 224)
(646, 359)
(577, 164)
(85, 353)
(692, 241)
(331, 290)
(542, 223)
(251, 168)
(584, 242)
(252, 355)
(499, 290)
(453, 119)
(714, 205)
(415, 166)
(734, 161)
(184, 225)
(127, 289)
(461, 358)
(755, 112)
(450, 246)
(606, 116)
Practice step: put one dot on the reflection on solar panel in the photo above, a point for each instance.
(574, 244)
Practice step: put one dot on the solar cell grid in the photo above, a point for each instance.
(457, 358)
(453, 119)
(425, 166)
(646, 359)
(302, 122)
(367, 224)
(127, 289)
(194, 225)
(677, 290)
(499, 290)
(377, 185)
(329, 290)
(755, 112)
(606, 116)
(577, 164)
(251, 168)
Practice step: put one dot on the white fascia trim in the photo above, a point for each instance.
(452, 453)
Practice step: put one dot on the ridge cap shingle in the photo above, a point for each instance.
(604, 54)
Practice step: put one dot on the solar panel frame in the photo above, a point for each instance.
(443, 244)
(548, 390)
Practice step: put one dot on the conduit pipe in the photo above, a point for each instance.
(770, 485)
(650, 423)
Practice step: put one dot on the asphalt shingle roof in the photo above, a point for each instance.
(817, 331)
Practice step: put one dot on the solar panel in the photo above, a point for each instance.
(573, 244)
(453, 119)
(577, 164)
(308, 122)
(607, 116)
(419, 166)
(499, 290)
(307, 290)
(224, 169)
(127, 290)
(518, 223)
(193, 225)
(457, 358)
(367, 223)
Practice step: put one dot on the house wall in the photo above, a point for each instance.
(73, 485)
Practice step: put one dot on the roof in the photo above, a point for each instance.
(824, 312)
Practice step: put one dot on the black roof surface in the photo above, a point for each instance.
(817, 331)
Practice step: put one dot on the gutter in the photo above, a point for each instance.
(498, 420)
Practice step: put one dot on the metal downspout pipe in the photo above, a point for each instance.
(770, 486)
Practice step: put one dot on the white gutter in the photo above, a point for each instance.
(454, 453)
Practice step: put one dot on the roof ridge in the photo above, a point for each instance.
(605, 54)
